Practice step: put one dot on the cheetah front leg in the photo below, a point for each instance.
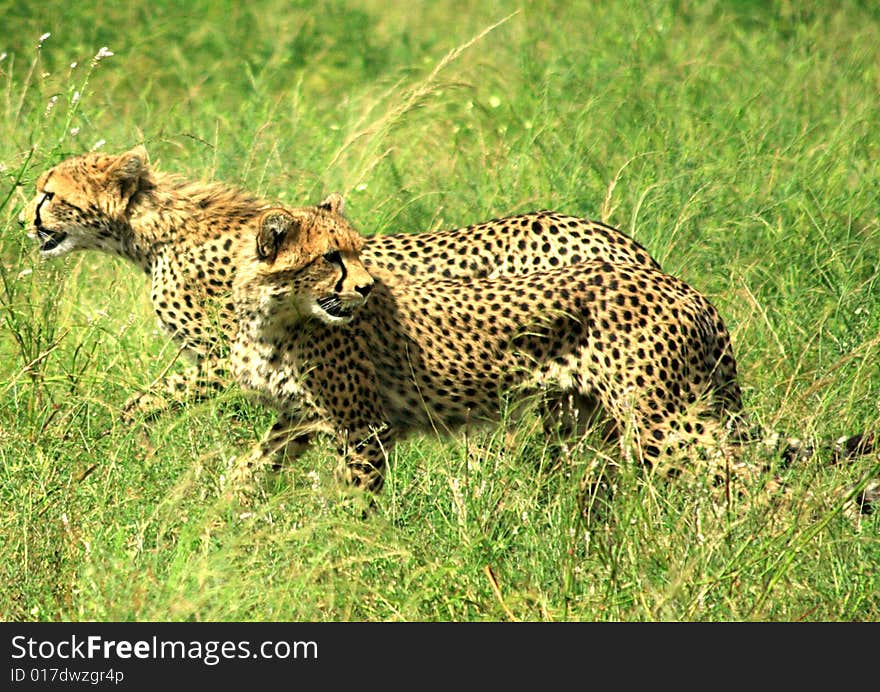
(364, 456)
(287, 440)
(197, 382)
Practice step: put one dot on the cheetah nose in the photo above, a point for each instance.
(365, 289)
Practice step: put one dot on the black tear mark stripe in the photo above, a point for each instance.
(341, 264)
(46, 196)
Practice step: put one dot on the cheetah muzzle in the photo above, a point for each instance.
(334, 307)
(50, 240)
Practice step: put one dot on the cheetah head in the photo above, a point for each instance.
(304, 263)
(81, 203)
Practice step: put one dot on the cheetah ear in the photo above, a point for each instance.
(274, 225)
(334, 203)
(128, 170)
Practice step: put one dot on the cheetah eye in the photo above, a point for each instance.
(333, 257)
(48, 195)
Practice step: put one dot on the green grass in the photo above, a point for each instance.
(737, 140)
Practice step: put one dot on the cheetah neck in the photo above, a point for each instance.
(172, 215)
(262, 321)
(264, 360)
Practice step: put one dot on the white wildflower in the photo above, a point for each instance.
(2, 56)
(43, 38)
(100, 143)
(75, 98)
(51, 105)
(104, 52)
(73, 65)
(361, 187)
(494, 101)
(96, 316)
(74, 131)
(315, 480)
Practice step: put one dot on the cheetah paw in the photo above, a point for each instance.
(143, 405)
(869, 499)
(241, 483)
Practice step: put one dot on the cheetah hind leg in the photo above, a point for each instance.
(569, 419)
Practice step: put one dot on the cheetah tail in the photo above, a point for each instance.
(792, 450)
(843, 450)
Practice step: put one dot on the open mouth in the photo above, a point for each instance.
(50, 239)
(334, 307)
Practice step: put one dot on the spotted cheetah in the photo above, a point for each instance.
(187, 236)
(359, 354)
(370, 359)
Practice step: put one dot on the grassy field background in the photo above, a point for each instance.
(738, 141)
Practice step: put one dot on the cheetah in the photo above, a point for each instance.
(351, 350)
(370, 359)
(187, 236)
